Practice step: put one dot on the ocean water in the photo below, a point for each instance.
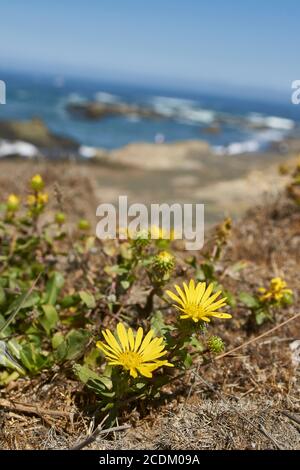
(231, 125)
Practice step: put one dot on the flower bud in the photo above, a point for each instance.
(37, 183)
(215, 344)
(83, 225)
(13, 203)
(60, 218)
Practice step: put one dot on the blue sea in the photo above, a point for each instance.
(230, 124)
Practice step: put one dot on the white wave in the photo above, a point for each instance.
(87, 152)
(198, 116)
(273, 122)
(106, 98)
(236, 148)
(133, 118)
(75, 98)
(182, 109)
(170, 107)
(173, 101)
(251, 145)
(23, 149)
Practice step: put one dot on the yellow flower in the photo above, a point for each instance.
(276, 292)
(197, 303)
(42, 198)
(31, 200)
(130, 352)
(37, 183)
(159, 233)
(13, 203)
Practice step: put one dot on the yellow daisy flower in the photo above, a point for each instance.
(197, 303)
(276, 292)
(132, 352)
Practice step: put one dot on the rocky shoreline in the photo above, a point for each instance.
(186, 171)
(97, 110)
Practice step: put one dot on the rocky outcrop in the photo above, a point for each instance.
(177, 155)
(96, 110)
(35, 132)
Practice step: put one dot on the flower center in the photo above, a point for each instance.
(194, 310)
(130, 359)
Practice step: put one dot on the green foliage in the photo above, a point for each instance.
(249, 300)
(59, 287)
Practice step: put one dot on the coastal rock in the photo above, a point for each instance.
(95, 110)
(35, 132)
(180, 155)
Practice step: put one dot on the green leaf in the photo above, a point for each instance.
(6, 360)
(4, 331)
(125, 284)
(2, 296)
(92, 357)
(231, 300)
(287, 299)
(73, 346)
(32, 358)
(196, 343)
(53, 287)
(205, 272)
(49, 319)
(70, 301)
(188, 361)
(23, 301)
(158, 324)
(14, 347)
(88, 299)
(248, 300)
(57, 339)
(261, 317)
(84, 373)
(100, 385)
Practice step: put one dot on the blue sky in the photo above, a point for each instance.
(241, 43)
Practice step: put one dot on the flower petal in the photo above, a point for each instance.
(212, 298)
(200, 289)
(207, 292)
(138, 338)
(175, 297)
(181, 293)
(111, 340)
(133, 373)
(220, 303)
(146, 341)
(220, 315)
(131, 339)
(122, 334)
